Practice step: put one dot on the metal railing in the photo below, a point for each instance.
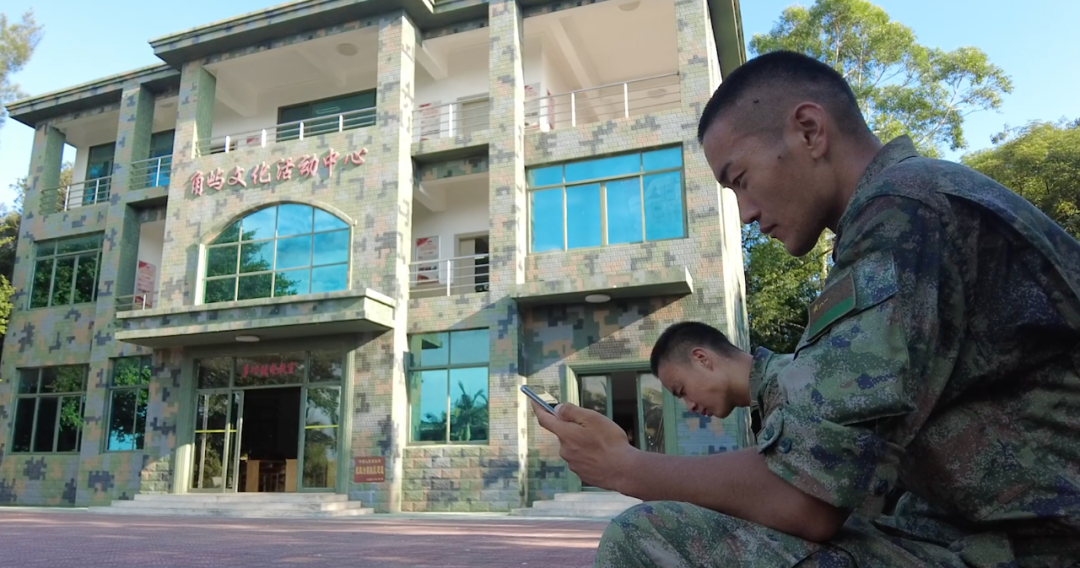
(451, 119)
(286, 131)
(607, 102)
(140, 301)
(449, 276)
(81, 194)
(151, 173)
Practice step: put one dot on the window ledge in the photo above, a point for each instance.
(675, 281)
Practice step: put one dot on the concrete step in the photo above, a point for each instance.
(237, 506)
(233, 513)
(582, 505)
(243, 497)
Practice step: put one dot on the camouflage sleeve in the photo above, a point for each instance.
(763, 385)
(863, 372)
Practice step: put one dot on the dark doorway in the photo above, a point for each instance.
(270, 440)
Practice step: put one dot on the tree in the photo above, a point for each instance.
(902, 87)
(1041, 162)
(17, 44)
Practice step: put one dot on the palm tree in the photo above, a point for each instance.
(468, 416)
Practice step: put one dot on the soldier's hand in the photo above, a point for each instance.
(593, 446)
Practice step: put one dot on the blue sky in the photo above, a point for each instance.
(1034, 45)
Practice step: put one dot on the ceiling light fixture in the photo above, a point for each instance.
(247, 338)
(597, 298)
(347, 49)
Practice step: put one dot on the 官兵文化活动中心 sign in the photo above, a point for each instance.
(308, 166)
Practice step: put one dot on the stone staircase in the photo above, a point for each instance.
(241, 505)
(584, 505)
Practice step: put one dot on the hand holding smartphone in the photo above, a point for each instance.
(542, 397)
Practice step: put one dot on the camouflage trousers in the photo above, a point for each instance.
(680, 535)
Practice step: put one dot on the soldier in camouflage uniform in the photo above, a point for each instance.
(942, 360)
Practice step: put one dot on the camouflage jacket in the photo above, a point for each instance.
(942, 358)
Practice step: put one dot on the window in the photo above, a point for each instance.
(65, 272)
(321, 117)
(99, 166)
(285, 250)
(49, 409)
(448, 387)
(629, 198)
(128, 393)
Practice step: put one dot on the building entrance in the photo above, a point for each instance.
(267, 423)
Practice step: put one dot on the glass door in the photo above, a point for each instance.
(99, 166)
(218, 425)
(319, 437)
(634, 401)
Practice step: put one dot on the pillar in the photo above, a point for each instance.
(380, 398)
(45, 162)
(507, 211)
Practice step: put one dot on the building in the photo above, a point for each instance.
(321, 246)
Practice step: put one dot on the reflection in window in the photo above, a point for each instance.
(49, 409)
(65, 272)
(321, 420)
(285, 250)
(630, 198)
(448, 387)
(129, 393)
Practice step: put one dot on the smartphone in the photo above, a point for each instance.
(541, 396)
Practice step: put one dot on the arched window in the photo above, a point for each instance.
(285, 250)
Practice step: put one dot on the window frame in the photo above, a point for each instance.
(114, 389)
(273, 271)
(413, 368)
(55, 258)
(37, 397)
(603, 182)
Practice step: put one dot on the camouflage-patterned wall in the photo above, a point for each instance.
(538, 345)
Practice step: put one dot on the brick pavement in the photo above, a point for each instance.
(55, 539)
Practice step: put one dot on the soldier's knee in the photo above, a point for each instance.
(637, 526)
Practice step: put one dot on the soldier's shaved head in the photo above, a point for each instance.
(758, 94)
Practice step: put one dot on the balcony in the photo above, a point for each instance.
(607, 102)
(450, 230)
(75, 195)
(449, 276)
(451, 119)
(131, 302)
(297, 130)
(151, 173)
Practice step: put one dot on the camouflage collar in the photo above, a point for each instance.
(897, 150)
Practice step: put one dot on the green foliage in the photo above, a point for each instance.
(17, 44)
(1041, 162)
(903, 87)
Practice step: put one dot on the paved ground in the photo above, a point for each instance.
(40, 539)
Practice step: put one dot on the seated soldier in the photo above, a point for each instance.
(941, 360)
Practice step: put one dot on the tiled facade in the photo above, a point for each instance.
(542, 331)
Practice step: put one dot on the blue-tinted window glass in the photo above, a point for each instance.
(331, 248)
(603, 168)
(329, 278)
(327, 222)
(293, 219)
(259, 225)
(430, 349)
(547, 220)
(292, 282)
(545, 176)
(430, 415)
(583, 216)
(662, 159)
(257, 257)
(624, 211)
(469, 405)
(663, 206)
(470, 346)
(293, 252)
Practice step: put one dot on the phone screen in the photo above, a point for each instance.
(543, 397)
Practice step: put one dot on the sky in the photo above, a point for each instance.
(84, 41)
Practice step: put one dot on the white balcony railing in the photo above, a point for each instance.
(451, 119)
(151, 173)
(608, 102)
(288, 131)
(449, 276)
(81, 194)
(140, 301)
